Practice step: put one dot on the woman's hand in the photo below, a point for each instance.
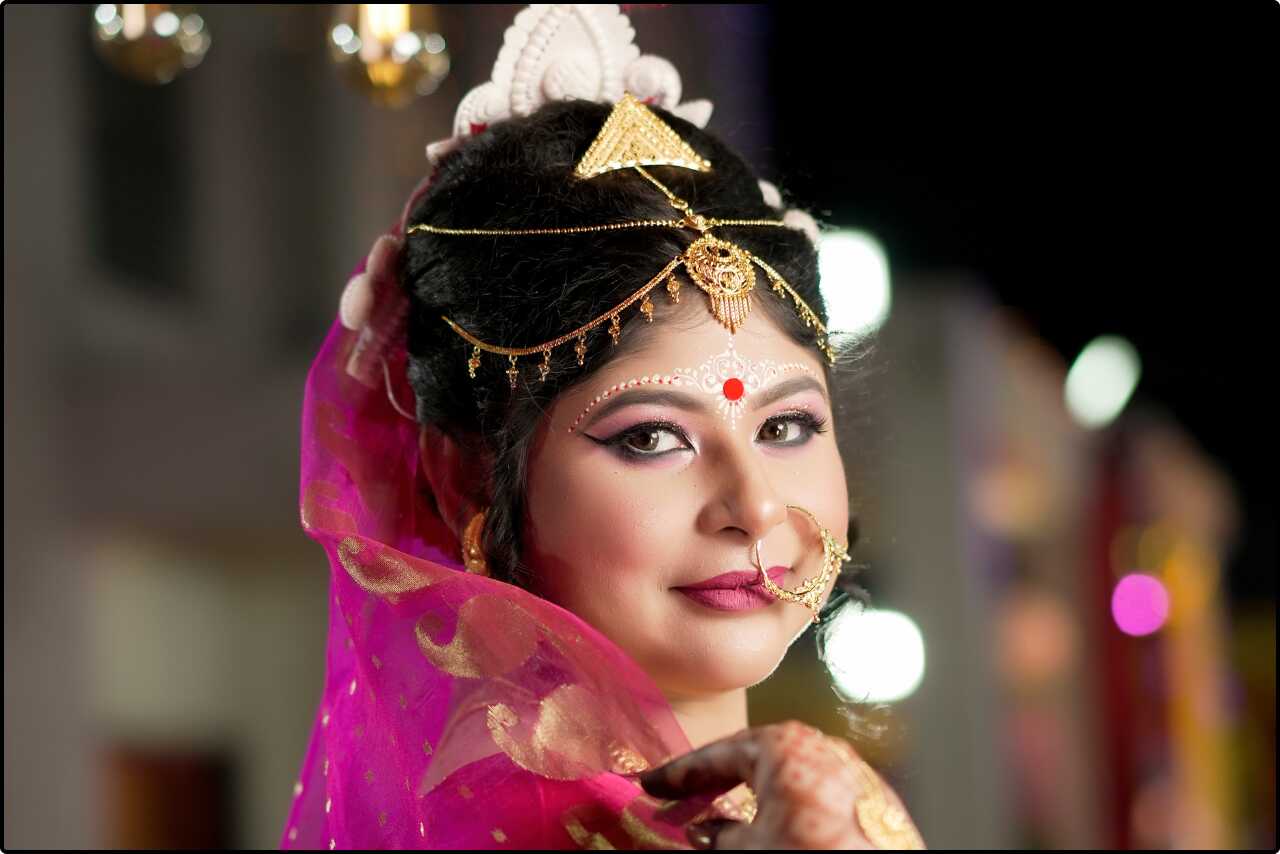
(812, 791)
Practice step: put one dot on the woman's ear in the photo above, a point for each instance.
(459, 477)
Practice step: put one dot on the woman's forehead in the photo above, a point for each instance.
(691, 340)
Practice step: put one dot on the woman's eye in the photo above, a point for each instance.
(780, 431)
(653, 439)
(777, 430)
(647, 440)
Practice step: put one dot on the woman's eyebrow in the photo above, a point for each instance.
(649, 394)
(704, 402)
(777, 391)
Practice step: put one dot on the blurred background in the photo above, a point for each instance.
(1059, 222)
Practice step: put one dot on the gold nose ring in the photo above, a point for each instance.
(809, 593)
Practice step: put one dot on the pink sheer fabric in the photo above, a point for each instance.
(458, 711)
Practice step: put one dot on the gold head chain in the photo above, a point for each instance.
(634, 137)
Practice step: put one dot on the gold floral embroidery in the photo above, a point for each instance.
(742, 808)
(500, 716)
(493, 637)
(884, 823)
(587, 824)
(634, 825)
(316, 513)
(584, 838)
(378, 572)
(625, 760)
(566, 740)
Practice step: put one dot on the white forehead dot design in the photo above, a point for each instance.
(730, 377)
(733, 378)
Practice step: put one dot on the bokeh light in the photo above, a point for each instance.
(390, 51)
(149, 42)
(855, 282)
(874, 656)
(1139, 604)
(1039, 638)
(1101, 381)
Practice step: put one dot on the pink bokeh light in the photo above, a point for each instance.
(1139, 604)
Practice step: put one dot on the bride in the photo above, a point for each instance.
(570, 450)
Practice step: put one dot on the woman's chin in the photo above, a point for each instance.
(725, 664)
(715, 678)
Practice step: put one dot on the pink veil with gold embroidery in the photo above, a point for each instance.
(458, 711)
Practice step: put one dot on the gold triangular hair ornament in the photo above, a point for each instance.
(633, 135)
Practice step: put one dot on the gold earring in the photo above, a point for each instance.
(809, 593)
(472, 554)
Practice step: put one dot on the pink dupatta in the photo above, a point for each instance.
(458, 711)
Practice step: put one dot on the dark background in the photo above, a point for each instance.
(1105, 168)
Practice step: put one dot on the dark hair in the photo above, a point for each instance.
(522, 291)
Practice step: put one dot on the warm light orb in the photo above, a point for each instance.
(149, 42)
(874, 656)
(1101, 381)
(1139, 604)
(390, 51)
(854, 282)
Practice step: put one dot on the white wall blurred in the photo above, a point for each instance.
(157, 585)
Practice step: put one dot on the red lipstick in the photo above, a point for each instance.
(734, 591)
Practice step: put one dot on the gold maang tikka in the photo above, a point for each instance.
(634, 137)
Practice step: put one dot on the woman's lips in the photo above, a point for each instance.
(731, 599)
(728, 592)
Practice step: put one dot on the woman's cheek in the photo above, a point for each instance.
(824, 492)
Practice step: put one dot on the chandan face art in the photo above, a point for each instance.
(727, 377)
(662, 472)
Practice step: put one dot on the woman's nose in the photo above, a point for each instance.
(749, 500)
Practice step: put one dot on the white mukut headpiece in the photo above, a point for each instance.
(564, 51)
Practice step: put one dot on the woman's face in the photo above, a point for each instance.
(631, 498)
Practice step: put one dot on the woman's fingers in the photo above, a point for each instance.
(725, 763)
(717, 766)
(814, 792)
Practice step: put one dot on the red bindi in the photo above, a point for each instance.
(733, 388)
